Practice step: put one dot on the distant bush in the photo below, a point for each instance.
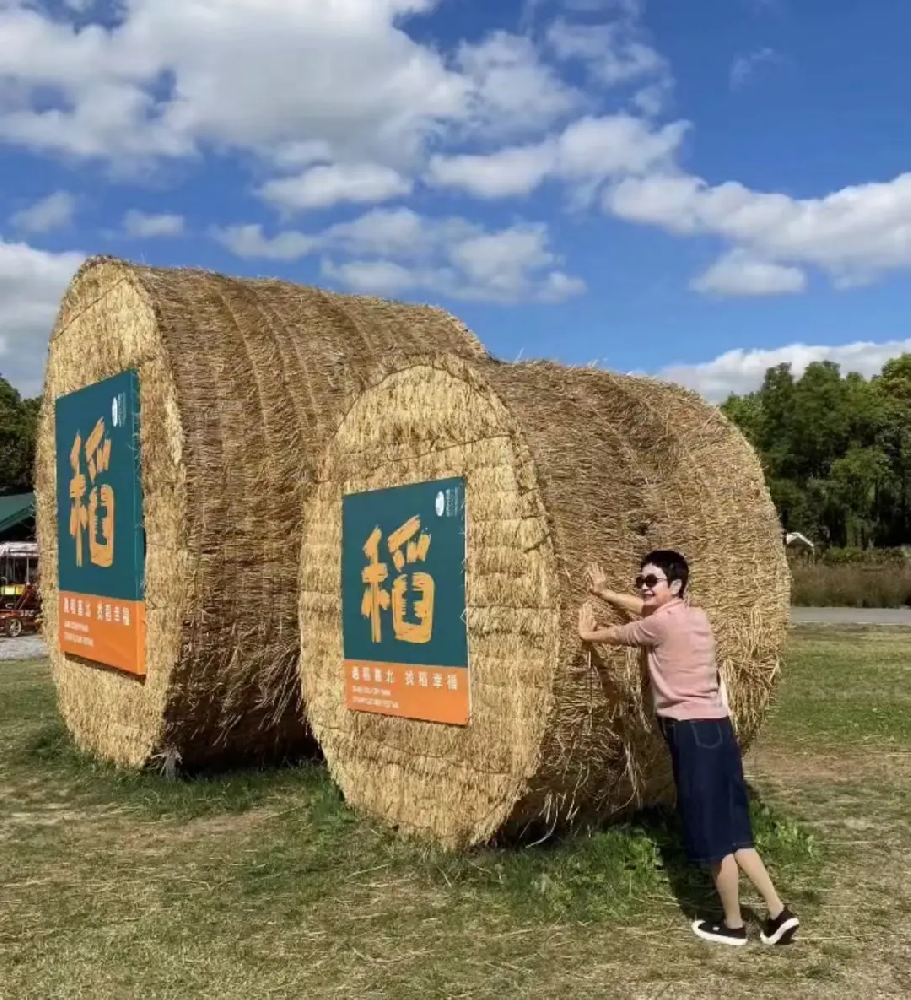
(862, 583)
(867, 557)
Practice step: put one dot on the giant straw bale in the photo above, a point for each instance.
(240, 383)
(562, 466)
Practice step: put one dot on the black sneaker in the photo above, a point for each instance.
(720, 933)
(781, 930)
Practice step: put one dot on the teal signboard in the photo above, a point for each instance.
(101, 538)
(403, 601)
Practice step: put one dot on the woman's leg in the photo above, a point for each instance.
(755, 870)
(727, 883)
(745, 854)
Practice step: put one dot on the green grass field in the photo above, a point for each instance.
(260, 885)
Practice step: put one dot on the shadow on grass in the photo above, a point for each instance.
(786, 847)
(622, 872)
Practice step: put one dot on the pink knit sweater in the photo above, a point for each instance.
(680, 648)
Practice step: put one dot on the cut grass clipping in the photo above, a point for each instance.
(240, 384)
(562, 466)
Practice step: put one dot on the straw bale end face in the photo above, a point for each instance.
(554, 474)
(108, 325)
(451, 783)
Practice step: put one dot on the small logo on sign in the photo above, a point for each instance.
(441, 504)
(115, 415)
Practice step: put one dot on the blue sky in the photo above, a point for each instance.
(696, 190)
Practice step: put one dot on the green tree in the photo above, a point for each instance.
(836, 450)
(819, 422)
(856, 483)
(747, 413)
(893, 389)
(18, 434)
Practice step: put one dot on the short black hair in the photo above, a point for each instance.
(672, 564)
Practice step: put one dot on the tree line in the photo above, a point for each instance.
(836, 450)
(18, 434)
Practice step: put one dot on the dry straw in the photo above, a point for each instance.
(240, 384)
(562, 466)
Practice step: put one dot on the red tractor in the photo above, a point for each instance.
(24, 616)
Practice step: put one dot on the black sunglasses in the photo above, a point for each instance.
(651, 581)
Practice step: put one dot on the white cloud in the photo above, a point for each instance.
(498, 265)
(32, 283)
(510, 88)
(652, 99)
(397, 232)
(325, 185)
(588, 150)
(508, 266)
(506, 173)
(171, 78)
(742, 371)
(853, 235)
(337, 102)
(250, 241)
(141, 225)
(739, 273)
(616, 145)
(53, 212)
(629, 9)
(374, 277)
(743, 67)
(392, 250)
(559, 286)
(613, 53)
(632, 8)
(614, 50)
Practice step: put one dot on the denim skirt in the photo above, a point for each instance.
(711, 791)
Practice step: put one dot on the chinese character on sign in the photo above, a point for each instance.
(376, 598)
(415, 550)
(390, 677)
(126, 616)
(79, 515)
(452, 682)
(409, 678)
(355, 674)
(422, 679)
(97, 517)
(437, 680)
(407, 545)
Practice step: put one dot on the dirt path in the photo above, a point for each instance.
(26, 647)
